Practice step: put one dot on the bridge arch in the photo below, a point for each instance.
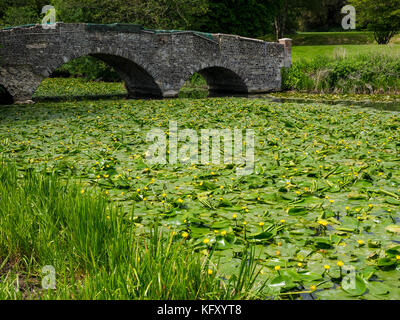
(139, 82)
(221, 80)
(5, 96)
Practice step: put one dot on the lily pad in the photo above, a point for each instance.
(354, 286)
(297, 211)
(393, 228)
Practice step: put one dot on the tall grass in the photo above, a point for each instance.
(365, 73)
(97, 251)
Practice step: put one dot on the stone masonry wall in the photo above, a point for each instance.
(150, 63)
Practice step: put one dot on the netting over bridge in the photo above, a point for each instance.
(134, 28)
(125, 28)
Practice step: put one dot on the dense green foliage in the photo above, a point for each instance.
(19, 12)
(287, 12)
(164, 14)
(248, 18)
(245, 17)
(381, 16)
(89, 68)
(323, 16)
(277, 18)
(345, 69)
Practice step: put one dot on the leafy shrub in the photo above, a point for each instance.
(295, 79)
(89, 68)
(15, 16)
(368, 73)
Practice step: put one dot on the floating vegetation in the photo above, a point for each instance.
(321, 210)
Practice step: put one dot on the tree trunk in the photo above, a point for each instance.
(278, 28)
(280, 19)
(383, 37)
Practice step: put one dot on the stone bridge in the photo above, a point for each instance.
(151, 63)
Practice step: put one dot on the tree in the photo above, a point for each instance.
(165, 14)
(162, 14)
(287, 11)
(380, 16)
(19, 12)
(325, 17)
(250, 18)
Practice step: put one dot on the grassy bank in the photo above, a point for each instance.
(343, 51)
(345, 69)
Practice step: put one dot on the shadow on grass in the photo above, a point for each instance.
(88, 97)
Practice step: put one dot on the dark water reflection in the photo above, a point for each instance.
(202, 93)
(389, 106)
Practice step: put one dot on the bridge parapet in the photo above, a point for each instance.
(287, 43)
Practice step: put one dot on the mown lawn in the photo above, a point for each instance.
(323, 200)
(343, 51)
